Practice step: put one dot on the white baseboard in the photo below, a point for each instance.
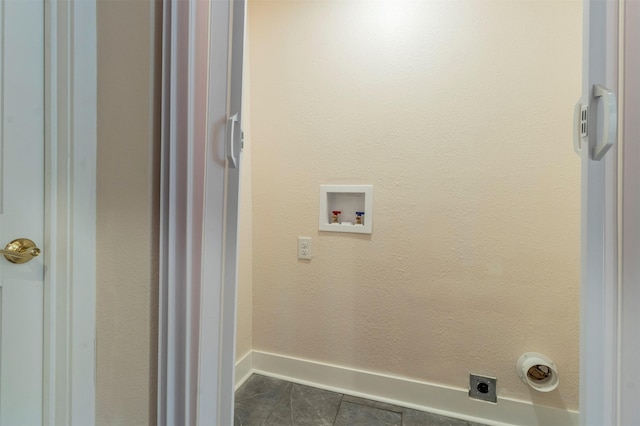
(244, 369)
(437, 399)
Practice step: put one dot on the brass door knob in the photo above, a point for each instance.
(21, 250)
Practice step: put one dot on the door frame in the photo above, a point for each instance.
(629, 101)
(70, 212)
(178, 387)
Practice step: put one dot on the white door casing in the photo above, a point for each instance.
(69, 250)
(630, 225)
(21, 210)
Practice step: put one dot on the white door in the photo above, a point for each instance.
(202, 140)
(599, 296)
(234, 151)
(21, 209)
(221, 219)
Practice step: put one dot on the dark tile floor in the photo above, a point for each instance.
(267, 401)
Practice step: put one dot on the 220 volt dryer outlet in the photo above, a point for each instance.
(304, 247)
(482, 388)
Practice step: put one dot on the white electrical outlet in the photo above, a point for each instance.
(304, 247)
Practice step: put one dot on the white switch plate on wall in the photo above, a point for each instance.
(304, 247)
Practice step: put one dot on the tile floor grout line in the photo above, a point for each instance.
(291, 404)
(335, 418)
(275, 405)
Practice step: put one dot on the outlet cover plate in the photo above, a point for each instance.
(304, 248)
(483, 388)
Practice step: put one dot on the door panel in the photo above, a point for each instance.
(230, 282)
(22, 210)
(599, 298)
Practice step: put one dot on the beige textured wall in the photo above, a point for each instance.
(127, 221)
(459, 114)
